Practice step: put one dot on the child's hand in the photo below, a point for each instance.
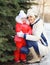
(20, 34)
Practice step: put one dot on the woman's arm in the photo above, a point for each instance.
(32, 37)
(37, 30)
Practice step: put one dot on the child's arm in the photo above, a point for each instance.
(17, 27)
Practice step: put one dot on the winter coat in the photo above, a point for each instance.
(25, 28)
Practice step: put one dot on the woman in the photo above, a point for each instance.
(36, 42)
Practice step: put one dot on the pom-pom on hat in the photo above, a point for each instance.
(22, 14)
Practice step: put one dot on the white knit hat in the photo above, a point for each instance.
(30, 13)
(33, 11)
(22, 14)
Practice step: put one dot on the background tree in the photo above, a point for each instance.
(8, 10)
(26, 4)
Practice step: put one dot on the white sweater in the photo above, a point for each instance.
(36, 31)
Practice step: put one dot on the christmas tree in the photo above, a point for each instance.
(8, 10)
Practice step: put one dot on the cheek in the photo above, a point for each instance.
(30, 20)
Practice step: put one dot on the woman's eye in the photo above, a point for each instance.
(30, 16)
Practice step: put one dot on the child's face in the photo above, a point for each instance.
(24, 20)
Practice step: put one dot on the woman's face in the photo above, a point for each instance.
(31, 19)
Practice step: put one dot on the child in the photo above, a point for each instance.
(21, 26)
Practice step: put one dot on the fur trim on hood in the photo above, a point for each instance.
(18, 20)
